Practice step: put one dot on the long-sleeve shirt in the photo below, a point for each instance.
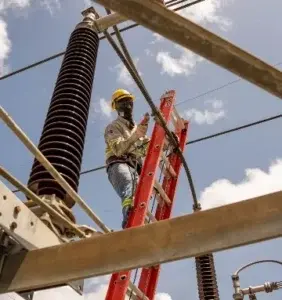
(122, 141)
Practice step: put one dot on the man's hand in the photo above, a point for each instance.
(146, 119)
(142, 127)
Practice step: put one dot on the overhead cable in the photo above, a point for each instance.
(216, 89)
(235, 129)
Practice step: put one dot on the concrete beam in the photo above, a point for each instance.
(217, 229)
(180, 30)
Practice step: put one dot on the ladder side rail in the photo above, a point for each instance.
(149, 276)
(119, 281)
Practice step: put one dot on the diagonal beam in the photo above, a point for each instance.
(180, 30)
(217, 229)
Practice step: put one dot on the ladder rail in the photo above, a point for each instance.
(149, 276)
(119, 281)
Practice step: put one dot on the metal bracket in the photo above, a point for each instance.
(25, 230)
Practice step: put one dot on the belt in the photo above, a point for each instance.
(129, 159)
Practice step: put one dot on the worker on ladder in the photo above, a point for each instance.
(126, 145)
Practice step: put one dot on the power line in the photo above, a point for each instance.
(208, 137)
(234, 129)
(40, 62)
(217, 88)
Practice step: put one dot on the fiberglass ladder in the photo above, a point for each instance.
(146, 187)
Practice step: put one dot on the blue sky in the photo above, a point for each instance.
(225, 169)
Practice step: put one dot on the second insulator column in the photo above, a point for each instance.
(206, 276)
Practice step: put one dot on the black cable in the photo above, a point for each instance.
(202, 139)
(234, 129)
(216, 89)
(32, 65)
(169, 2)
(92, 170)
(189, 4)
(62, 53)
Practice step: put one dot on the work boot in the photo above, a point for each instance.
(125, 211)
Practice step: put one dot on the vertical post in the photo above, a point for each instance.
(149, 276)
(119, 281)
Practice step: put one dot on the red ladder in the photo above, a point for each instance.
(148, 281)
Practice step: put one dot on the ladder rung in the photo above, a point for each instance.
(177, 120)
(151, 217)
(138, 293)
(168, 165)
(162, 193)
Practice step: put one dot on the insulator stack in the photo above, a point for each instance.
(63, 135)
(206, 276)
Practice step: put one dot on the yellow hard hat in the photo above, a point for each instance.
(120, 94)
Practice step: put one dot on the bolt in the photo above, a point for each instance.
(122, 277)
(13, 226)
(4, 197)
(17, 209)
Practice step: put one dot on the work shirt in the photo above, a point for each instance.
(122, 143)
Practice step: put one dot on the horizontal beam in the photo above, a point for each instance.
(217, 229)
(180, 30)
(105, 22)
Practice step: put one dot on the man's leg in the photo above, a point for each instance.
(124, 180)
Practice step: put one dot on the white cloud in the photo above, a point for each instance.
(148, 52)
(181, 65)
(163, 296)
(105, 107)
(5, 43)
(256, 183)
(50, 5)
(215, 103)
(123, 76)
(208, 12)
(206, 116)
(13, 4)
(16, 5)
(157, 38)
(183, 62)
(100, 110)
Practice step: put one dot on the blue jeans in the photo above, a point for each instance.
(124, 180)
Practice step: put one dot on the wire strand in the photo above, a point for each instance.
(216, 89)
